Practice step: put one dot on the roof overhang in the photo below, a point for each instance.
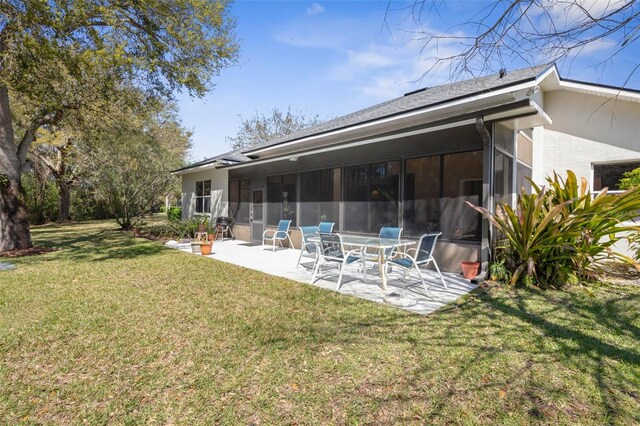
(611, 92)
(215, 164)
(524, 111)
(429, 114)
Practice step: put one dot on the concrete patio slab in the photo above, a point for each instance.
(409, 295)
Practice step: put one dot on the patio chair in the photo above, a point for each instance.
(308, 247)
(279, 235)
(332, 251)
(390, 233)
(423, 255)
(325, 227)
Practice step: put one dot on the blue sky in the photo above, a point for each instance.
(334, 57)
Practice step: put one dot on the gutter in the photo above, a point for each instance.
(527, 106)
(214, 163)
(424, 109)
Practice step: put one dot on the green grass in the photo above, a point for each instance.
(112, 329)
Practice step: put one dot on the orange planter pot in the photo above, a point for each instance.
(206, 249)
(470, 269)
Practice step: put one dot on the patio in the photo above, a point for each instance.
(408, 295)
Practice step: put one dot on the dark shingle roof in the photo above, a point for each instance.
(412, 101)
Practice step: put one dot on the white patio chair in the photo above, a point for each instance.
(311, 249)
(332, 251)
(279, 235)
(423, 255)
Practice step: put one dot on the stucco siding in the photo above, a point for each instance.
(219, 192)
(586, 129)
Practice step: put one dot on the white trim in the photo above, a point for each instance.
(202, 167)
(531, 109)
(213, 164)
(354, 144)
(394, 118)
(472, 98)
(602, 91)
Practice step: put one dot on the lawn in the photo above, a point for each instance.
(114, 329)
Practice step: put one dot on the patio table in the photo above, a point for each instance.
(381, 245)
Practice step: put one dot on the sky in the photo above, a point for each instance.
(330, 58)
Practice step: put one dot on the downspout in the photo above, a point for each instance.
(487, 198)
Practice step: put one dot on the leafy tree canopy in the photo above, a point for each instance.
(63, 56)
(159, 44)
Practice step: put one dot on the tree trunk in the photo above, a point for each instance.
(64, 201)
(14, 219)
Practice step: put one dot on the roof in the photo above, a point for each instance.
(415, 100)
(412, 101)
(235, 156)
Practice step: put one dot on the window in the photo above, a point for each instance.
(505, 144)
(435, 191)
(461, 181)
(371, 196)
(422, 195)
(239, 197)
(503, 177)
(609, 175)
(523, 172)
(281, 198)
(320, 196)
(524, 160)
(203, 196)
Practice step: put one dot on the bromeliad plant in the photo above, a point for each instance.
(560, 233)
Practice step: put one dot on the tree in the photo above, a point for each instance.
(630, 179)
(40, 194)
(57, 150)
(261, 128)
(528, 30)
(70, 55)
(130, 164)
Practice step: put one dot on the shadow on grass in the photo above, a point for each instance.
(554, 356)
(94, 245)
(526, 332)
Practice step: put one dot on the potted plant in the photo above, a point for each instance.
(203, 221)
(196, 247)
(205, 248)
(470, 269)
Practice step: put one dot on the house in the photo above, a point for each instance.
(414, 160)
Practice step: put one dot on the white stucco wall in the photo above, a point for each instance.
(586, 129)
(219, 192)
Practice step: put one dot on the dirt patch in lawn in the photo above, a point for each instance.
(28, 252)
(620, 273)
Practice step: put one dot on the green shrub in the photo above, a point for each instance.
(174, 214)
(165, 231)
(560, 233)
(631, 179)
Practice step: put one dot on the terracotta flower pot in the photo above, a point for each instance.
(470, 269)
(202, 227)
(206, 249)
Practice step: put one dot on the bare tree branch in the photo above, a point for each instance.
(533, 31)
